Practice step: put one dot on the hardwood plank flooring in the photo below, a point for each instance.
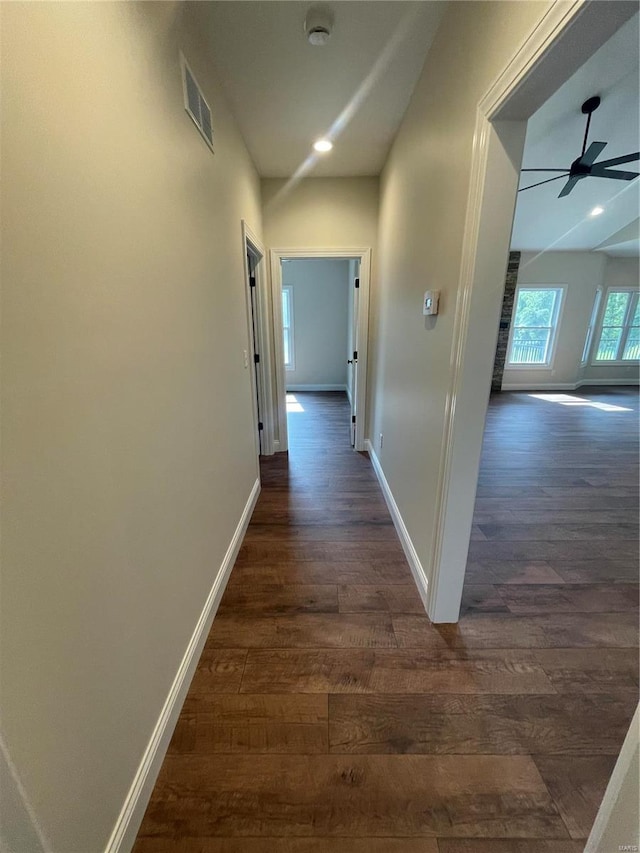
(328, 715)
(300, 845)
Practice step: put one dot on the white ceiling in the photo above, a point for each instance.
(285, 93)
(554, 139)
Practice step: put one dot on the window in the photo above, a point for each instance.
(620, 331)
(287, 325)
(592, 323)
(534, 326)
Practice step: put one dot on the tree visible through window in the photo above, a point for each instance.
(534, 325)
(620, 331)
(287, 325)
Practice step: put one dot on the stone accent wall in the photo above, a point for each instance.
(505, 320)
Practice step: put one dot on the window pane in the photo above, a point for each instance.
(616, 308)
(609, 342)
(636, 315)
(285, 309)
(529, 346)
(632, 346)
(535, 307)
(287, 348)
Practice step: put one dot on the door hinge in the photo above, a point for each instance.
(356, 282)
(355, 355)
(353, 419)
(260, 425)
(256, 358)
(252, 281)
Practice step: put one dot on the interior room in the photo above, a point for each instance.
(411, 627)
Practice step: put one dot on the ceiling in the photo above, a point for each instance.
(554, 139)
(285, 93)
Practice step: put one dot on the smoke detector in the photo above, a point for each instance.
(318, 25)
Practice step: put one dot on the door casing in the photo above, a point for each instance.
(364, 256)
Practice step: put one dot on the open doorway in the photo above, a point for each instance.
(319, 312)
(320, 302)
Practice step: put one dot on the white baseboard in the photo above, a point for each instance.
(603, 383)
(565, 386)
(348, 393)
(135, 804)
(316, 387)
(415, 565)
(539, 386)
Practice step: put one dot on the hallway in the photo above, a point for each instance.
(327, 714)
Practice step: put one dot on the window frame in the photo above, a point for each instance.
(554, 327)
(287, 331)
(626, 327)
(592, 327)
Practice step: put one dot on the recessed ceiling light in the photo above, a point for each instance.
(597, 211)
(323, 145)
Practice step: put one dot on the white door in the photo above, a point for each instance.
(352, 360)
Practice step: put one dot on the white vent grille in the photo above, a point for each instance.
(195, 103)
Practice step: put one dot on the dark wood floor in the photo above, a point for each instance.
(328, 715)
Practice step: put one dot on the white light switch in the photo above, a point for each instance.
(430, 302)
(246, 357)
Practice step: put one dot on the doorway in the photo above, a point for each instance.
(300, 372)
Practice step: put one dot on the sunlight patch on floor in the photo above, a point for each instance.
(292, 404)
(571, 400)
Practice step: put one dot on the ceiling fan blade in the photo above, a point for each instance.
(539, 184)
(566, 189)
(598, 172)
(589, 156)
(566, 171)
(617, 161)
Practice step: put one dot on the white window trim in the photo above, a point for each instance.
(592, 327)
(555, 327)
(288, 288)
(631, 307)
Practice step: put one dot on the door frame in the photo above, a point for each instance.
(364, 256)
(261, 392)
(565, 36)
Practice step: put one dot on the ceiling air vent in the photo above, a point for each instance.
(195, 103)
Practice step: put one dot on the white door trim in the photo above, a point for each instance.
(588, 25)
(364, 256)
(264, 391)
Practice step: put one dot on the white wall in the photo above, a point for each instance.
(124, 322)
(582, 273)
(320, 321)
(424, 196)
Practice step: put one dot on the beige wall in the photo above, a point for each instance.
(320, 213)
(126, 404)
(423, 203)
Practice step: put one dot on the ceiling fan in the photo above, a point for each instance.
(585, 165)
